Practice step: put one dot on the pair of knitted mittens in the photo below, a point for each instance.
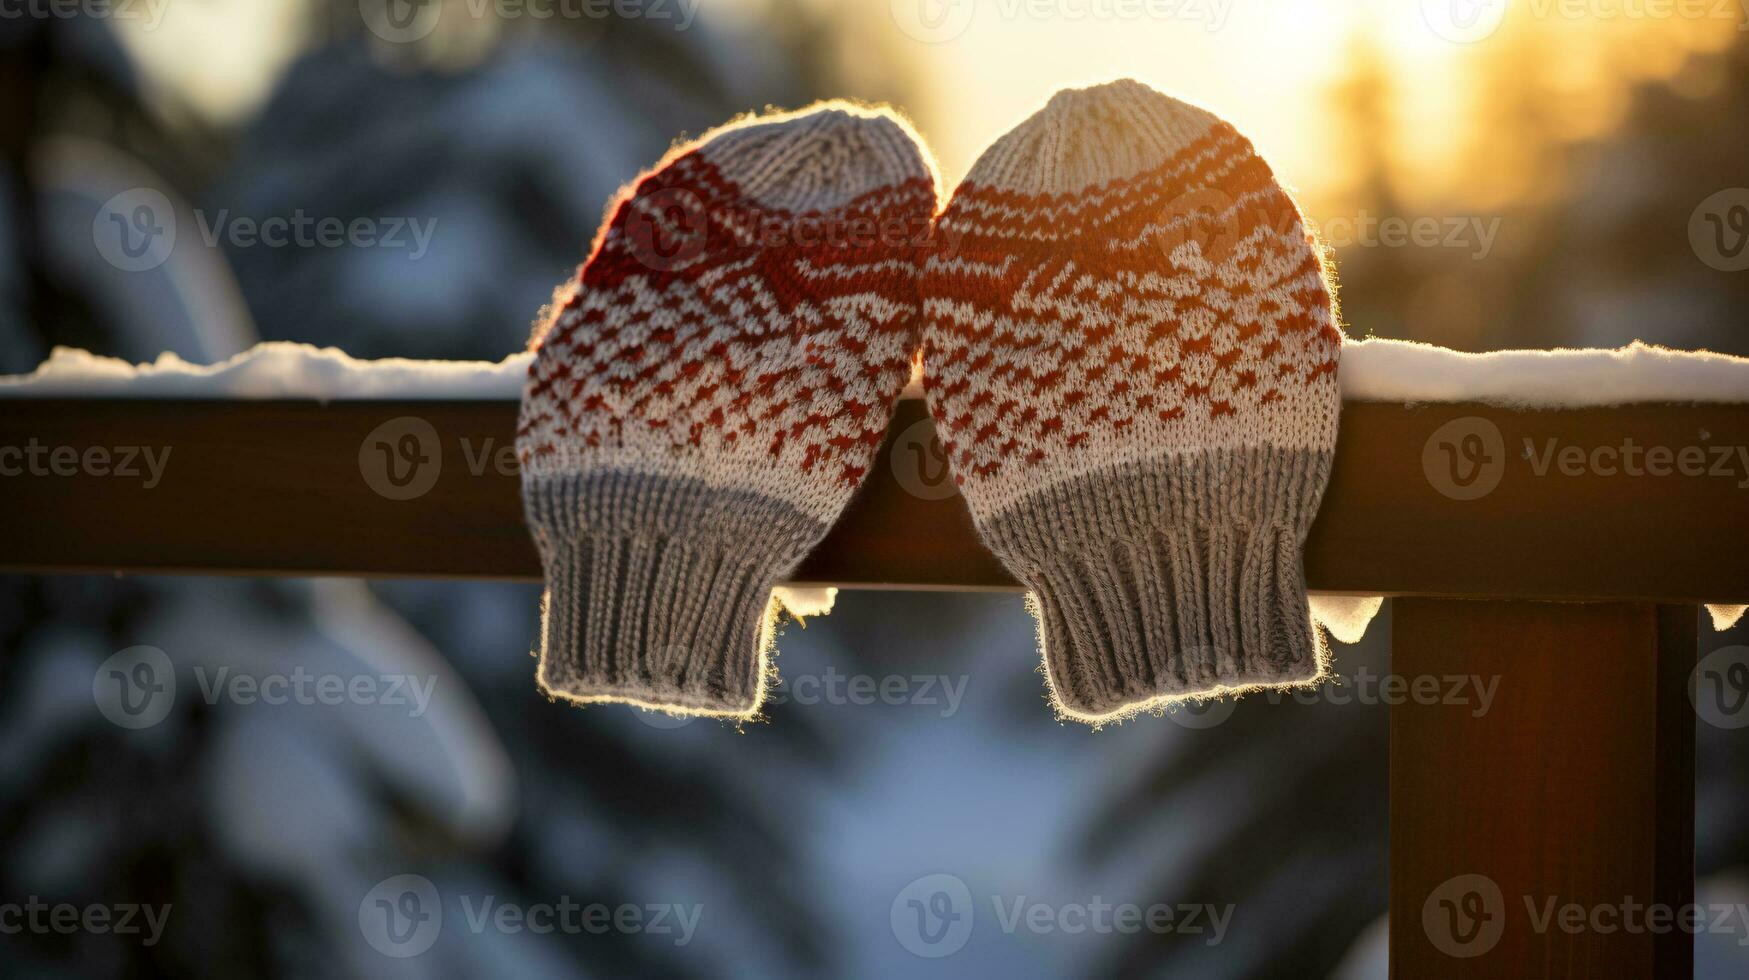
(1130, 353)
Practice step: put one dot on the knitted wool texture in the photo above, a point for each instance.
(1131, 358)
(708, 394)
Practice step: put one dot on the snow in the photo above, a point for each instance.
(1379, 370)
(1373, 370)
(270, 370)
(1346, 617)
(803, 602)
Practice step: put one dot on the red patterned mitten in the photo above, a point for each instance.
(1131, 356)
(709, 395)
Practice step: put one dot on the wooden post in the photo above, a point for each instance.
(1553, 833)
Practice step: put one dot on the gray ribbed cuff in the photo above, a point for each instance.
(1178, 577)
(658, 588)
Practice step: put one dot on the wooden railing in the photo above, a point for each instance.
(1574, 580)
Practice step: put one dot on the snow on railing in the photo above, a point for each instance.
(1373, 370)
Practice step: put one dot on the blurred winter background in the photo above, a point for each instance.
(1555, 162)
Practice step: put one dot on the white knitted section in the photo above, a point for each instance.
(818, 158)
(1134, 127)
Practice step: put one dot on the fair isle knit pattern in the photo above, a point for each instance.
(1131, 356)
(708, 394)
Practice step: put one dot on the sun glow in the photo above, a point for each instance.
(1272, 67)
